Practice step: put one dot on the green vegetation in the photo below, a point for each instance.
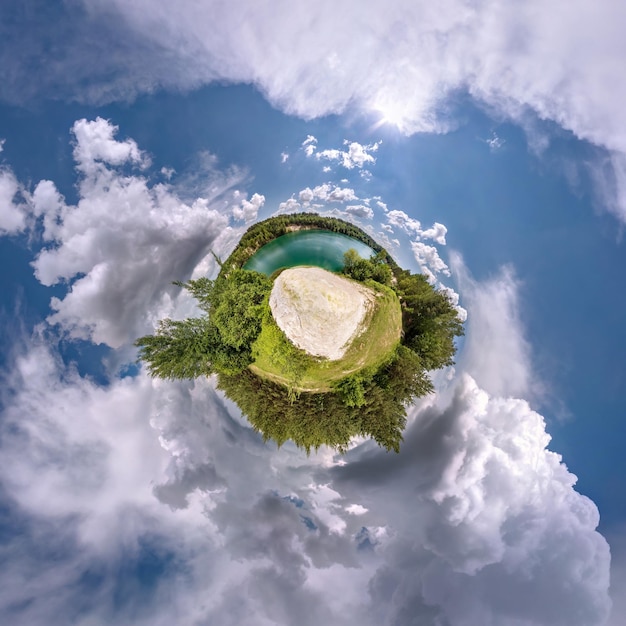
(429, 320)
(287, 393)
(317, 419)
(376, 268)
(218, 342)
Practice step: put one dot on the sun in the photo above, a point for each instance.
(390, 113)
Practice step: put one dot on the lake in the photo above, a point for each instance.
(320, 248)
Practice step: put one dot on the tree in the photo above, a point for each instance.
(238, 309)
(376, 268)
(430, 321)
(220, 340)
(179, 349)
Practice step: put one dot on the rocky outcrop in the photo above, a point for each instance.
(319, 311)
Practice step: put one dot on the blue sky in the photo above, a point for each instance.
(482, 144)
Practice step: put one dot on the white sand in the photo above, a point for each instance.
(319, 311)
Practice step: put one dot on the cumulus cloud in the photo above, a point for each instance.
(327, 193)
(411, 226)
(309, 145)
(497, 534)
(125, 241)
(12, 211)
(356, 154)
(437, 232)
(289, 206)
(96, 143)
(476, 521)
(360, 210)
(495, 352)
(405, 62)
(145, 473)
(428, 259)
(248, 210)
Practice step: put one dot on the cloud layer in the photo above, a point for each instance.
(403, 59)
(126, 240)
(405, 63)
(153, 502)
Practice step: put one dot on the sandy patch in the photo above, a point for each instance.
(319, 311)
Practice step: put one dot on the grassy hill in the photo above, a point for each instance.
(277, 359)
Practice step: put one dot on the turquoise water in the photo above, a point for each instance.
(321, 248)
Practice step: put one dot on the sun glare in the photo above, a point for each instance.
(389, 114)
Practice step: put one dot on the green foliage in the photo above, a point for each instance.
(202, 289)
(430, 321)
(352, 390)
(332, 419)
(179, 349)
(360, 269)
(220, 340)
(238, 311)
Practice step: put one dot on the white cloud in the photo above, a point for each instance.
(356, 509)
(357, 155)
(405, 61)
(309, 145)
(284, 157)
(474, 522)
(327, 193)
(141, 465)
(495, 352)
(360, 210)
(12, 212)
(473, 515)
(402, 220)
(496, 533)
(429, 260)
(124, 242)
(168, 172)
(248, 210)
(2, 144)
(96, 143)
(289, 206)
(617, 541)
(301, 61)
(454, 298)
(46, 201)
(437, 232)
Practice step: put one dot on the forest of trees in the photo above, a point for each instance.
(370, 403)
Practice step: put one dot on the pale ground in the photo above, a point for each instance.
(319, 311)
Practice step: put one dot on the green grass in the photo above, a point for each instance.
(277, 359)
